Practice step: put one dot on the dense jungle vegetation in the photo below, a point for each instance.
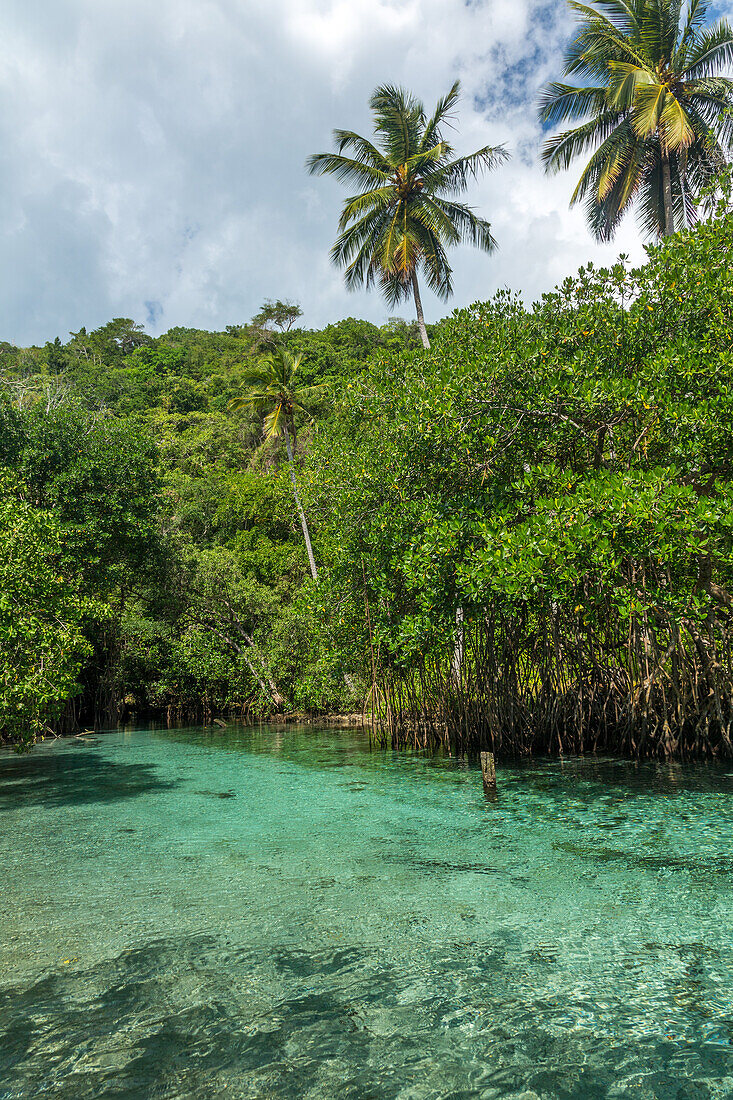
(150, 553)
(523, 533)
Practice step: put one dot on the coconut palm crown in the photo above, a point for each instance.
(404, 216)
(271, 387)
(655, 111)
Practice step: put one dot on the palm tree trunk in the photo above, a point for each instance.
(683, 190)
(304, 524)
(301, 513)
(418, 307)
(667, 195)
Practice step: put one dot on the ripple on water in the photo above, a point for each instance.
(268, 913)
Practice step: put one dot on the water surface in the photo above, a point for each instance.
(277, 912)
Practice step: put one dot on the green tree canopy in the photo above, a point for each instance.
(42, 644)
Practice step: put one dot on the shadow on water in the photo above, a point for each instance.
(591, 776)
(183, 1017)
(713, 865)
(72, 779)
(168, 1018)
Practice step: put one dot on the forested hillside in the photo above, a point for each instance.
(151, 558)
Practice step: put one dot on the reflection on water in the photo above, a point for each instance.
(281, 913)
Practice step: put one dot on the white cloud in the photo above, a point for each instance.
(152, 155)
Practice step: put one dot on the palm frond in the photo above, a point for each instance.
(435, 266)
(696, 13)
(275, 421)
(365, 150)
(559, 102)
(672, 13)
(715, 112)
(251, 397)
(653, 30)
(610, 158)
(456, 176)
(363, 232)
(359, 205)
(598, 41)
(611, 165)
(625, 82)
(394, 289)
(397, 121)
(471, 229)
(291, 364)
(610, 200)
(441, 114)
(649, 103)
(706, 156)
(674, 125)
(621, 15)
(357, 254)
(391, 239)
(403, 258)
(650, 205)
(429, 213)
(711, 49)
(345, 169)
(259, 374)
(424, 162)
(560, 150)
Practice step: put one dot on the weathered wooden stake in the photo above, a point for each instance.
(488, 771)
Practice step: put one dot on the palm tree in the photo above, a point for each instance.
(271, 388)
(404, 215)
(655, 110)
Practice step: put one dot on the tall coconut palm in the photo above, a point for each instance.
(405, 216)
(655, 110)
(272, 389)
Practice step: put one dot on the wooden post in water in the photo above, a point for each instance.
(488, 771)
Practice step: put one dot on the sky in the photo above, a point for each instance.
(153, 153)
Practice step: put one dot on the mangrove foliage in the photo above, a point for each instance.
(530, 525)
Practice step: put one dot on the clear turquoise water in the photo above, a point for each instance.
(359, 925)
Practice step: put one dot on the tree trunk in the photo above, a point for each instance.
(418, 307)
(683, 190)
(275, 696)
(301, 513)
(667, 195)
(274, 692)
(277, 699)
(306, 534)
(457, 662)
